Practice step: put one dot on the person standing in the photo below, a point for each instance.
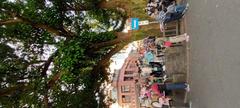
(172, 13)
(177, 14)
(171, 86)
(179, 38)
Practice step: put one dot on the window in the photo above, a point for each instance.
(132, 64)
(128, 72)
(125, 89)
(126, 99)
(128, 78)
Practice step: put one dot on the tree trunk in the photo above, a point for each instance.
(11, 90)
(120, 38)
(115, 4)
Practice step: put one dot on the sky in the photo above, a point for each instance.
(119, 58)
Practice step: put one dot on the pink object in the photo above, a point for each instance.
(148, 93)
(167, 44)
(164, 100)
(145, 92)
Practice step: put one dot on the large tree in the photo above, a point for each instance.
(54, 53)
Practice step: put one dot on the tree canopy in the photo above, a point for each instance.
(54, 53)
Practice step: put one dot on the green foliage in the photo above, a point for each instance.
(13, 71)
(109, 18)
(139, 9)
(92, 37)
(23, 77)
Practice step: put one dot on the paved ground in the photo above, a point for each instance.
(176, 68)
(214, 27)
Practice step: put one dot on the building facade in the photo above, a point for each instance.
(126, 83)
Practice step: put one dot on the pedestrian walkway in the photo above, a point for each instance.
(161, 79)
(167, 67)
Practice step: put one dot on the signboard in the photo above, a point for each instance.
(134, 23)
(145, 22)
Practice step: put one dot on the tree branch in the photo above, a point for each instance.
(120, 38)
(54, 79)
(36, 62)
(105, 59)
(44, 74)
(48, 28)
(11, 90)
(103, 62)
(100, 68)
(22, 87)
(77, 7)
(113, 4)
(47, 63)
(10, 21)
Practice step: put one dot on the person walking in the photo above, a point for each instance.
(172, 13)
(170, 86)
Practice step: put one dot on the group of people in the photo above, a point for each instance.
(165, 11)
(156, 81)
